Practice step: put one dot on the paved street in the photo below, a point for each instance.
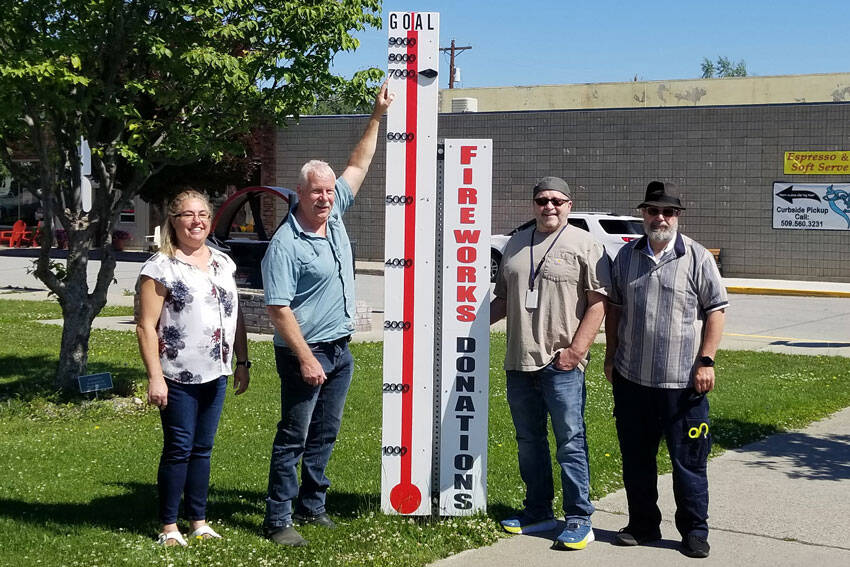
(775, 323)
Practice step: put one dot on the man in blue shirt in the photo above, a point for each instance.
(309, 291)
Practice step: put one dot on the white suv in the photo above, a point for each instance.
(612, 231)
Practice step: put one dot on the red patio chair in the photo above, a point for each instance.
(18, 235)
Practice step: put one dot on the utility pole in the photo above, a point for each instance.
(452, 51)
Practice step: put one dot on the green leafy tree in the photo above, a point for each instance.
(153, 86)
(722, 68)
(342, 103)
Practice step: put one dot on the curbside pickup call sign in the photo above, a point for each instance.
(811, 206)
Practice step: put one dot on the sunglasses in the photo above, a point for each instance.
(543, 201)
(655, 211)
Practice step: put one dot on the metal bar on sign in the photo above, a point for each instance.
(438, 332)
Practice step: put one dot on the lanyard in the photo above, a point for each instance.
(534, 272)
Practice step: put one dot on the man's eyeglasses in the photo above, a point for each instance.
(655, 211)
(543, 201)
(189, 215)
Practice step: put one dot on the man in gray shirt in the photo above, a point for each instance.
(665, 319)
(551, 287)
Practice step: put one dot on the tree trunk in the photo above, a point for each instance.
(74, 352)
(79, 306)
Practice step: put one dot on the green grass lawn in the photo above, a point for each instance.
(78, 478)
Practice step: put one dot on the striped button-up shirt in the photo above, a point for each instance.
(662, 310)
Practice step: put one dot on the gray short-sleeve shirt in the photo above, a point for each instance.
(575, 265)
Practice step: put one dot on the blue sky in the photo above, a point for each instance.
(534, 42)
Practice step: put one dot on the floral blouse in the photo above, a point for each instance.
(198, 321)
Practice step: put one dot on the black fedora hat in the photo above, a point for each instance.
(659, 194)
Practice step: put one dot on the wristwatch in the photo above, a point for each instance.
(245, 363)
(703, 360)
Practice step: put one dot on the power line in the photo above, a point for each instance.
(452, 50)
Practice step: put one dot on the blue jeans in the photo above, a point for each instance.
(643, 415)
(189, 423)
(560, 394)
(309, 423)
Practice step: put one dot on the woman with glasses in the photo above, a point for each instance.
(189, 328)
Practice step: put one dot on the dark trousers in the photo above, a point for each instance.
(189, 423)
(643, 415)
(310, 420)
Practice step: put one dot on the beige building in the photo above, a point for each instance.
(832, 87)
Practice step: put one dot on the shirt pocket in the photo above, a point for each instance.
(315, 265)
(563, 267)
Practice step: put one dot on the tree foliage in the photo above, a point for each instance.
(722, 68)
(153, 86)
(342, 103)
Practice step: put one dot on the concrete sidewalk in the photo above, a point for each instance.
(752, 286)
(782, 501)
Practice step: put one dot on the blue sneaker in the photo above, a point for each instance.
(522, 524)
(575, 536)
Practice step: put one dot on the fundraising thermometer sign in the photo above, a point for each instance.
(465, 326)
(408, 393)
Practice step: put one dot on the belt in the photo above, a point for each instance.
(338, 342)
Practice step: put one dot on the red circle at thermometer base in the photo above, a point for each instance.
(405, 498)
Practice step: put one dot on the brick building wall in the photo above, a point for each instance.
(263, 148)
(725, 159)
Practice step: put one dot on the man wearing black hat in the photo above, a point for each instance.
(666, 316)
(551, 286)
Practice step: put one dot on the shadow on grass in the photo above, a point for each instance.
(135, 510)
(30, 377)
(236, 506)
(734, 433)
(499, 511)
(115, 512)
(349, 505)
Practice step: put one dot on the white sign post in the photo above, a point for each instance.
(408, 396)
(85, 171)
(465, 326)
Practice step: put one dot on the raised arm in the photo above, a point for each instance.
(361, 157)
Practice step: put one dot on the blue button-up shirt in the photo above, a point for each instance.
(313, 275)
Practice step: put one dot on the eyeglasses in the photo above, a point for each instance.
(655, 211)
(543, 201)
(189, 215)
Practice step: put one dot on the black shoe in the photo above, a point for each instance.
(695, 546)
(629, 536)
(286, 535)
(320, 519)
